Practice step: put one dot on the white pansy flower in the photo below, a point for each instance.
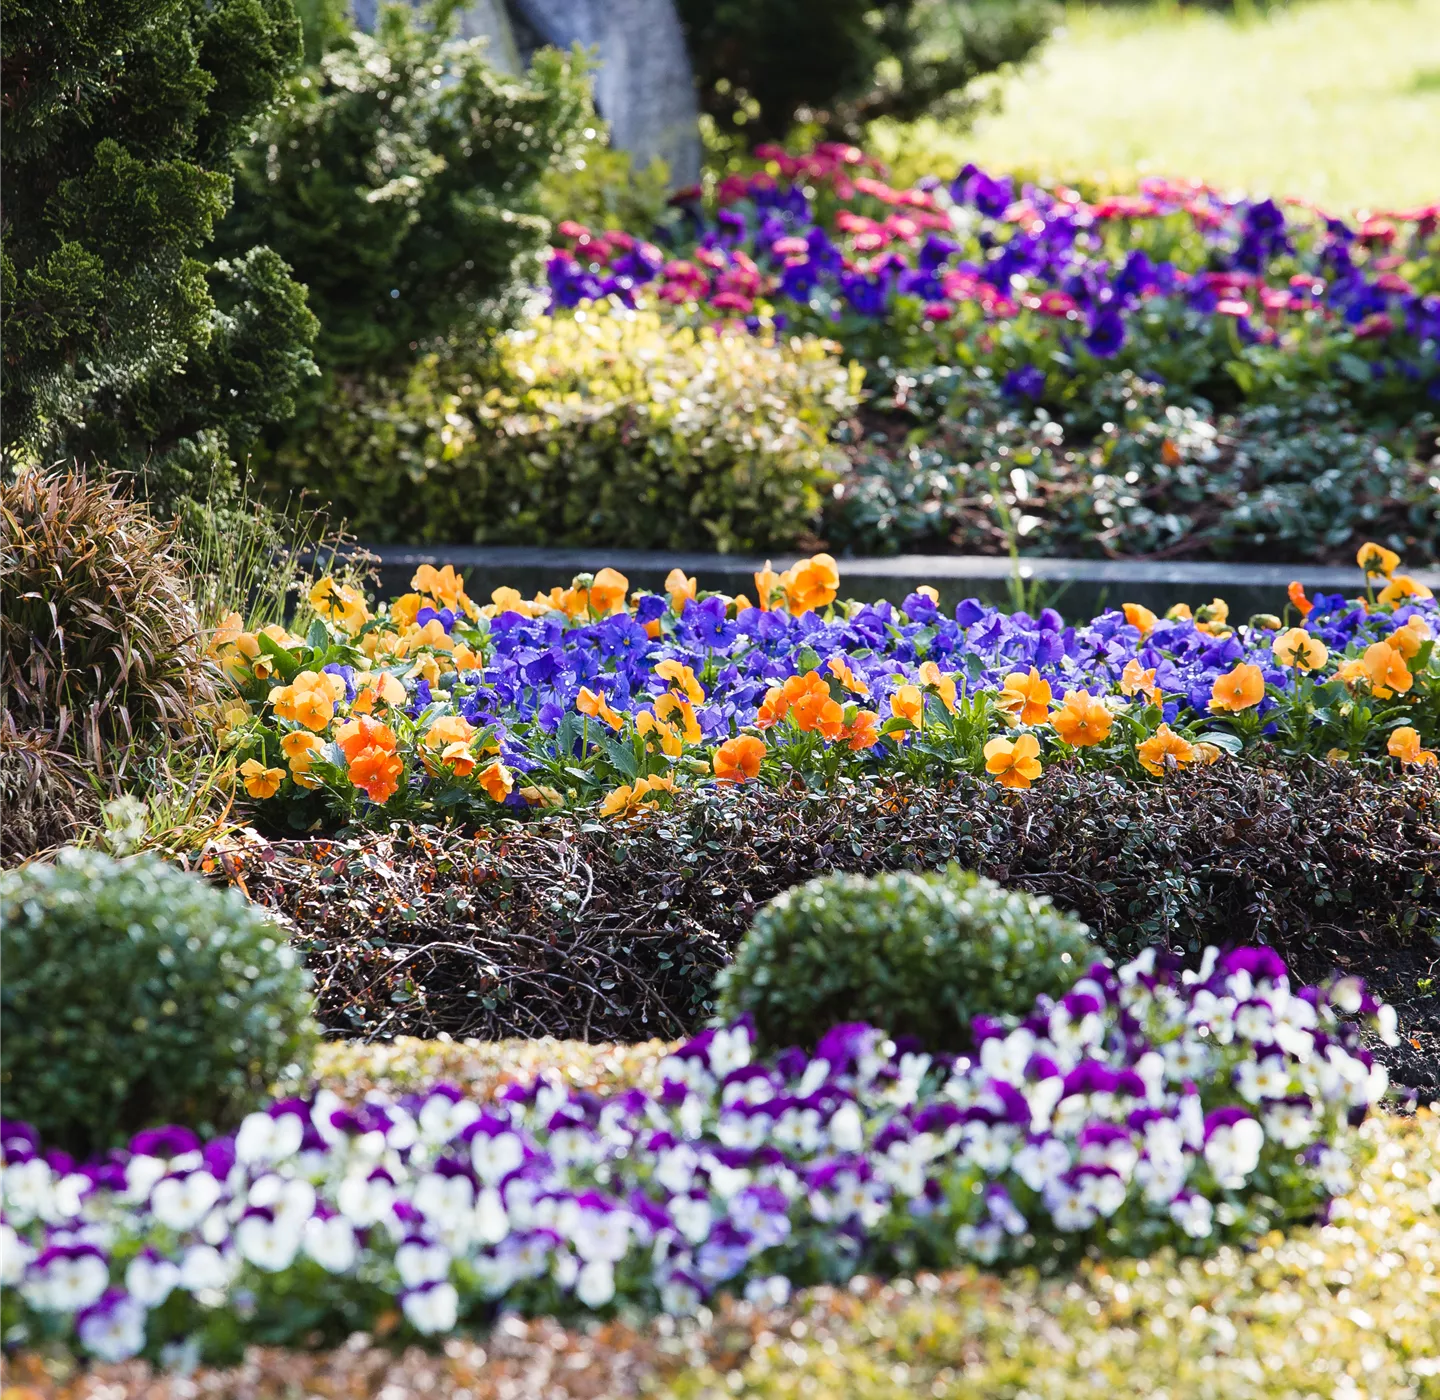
(68, 1283)
(182, 1202)
(1193, 1214)
(1233, 1151)
(268, 1244)
(595, 1283)
(265, 1139)
(330, 1243)
(418, 1263)
(432, 1310)
(495, 1157)
(150, 1280)
(114, 1333)
(443, 1118)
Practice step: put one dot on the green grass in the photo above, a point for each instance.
(1334, 100)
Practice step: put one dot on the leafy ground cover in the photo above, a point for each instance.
(597, 931)
(1334, 101)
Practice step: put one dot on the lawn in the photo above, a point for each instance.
(1337, 101)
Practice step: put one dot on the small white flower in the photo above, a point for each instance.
(29, 1191)
(1193, 1214)
(1386, 1022)
(68, 1284)
(1068, 1206)
(679, 1298)
(847, 1130)
(290, 1200)
(495, 1157)
(596, 1234)
(182, 1202)
(729, 1051)
(114, 1333)
(1233, 1151)
(432, 1310)
(491, 1221)
(595, 1283)
(15, 1257)
(330, 1243)
(150, 1280)
(268, 1244)
(692, 1216)
(772, 1292)
(443, 1118)
(265, 1139)
(1290, 1124)
(1039, 1164)
(203, 1268)
(1005, 1058)
(363, 1200)
(419, 1264)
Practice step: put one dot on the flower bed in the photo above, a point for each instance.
(1230, 298)
(1240, 1322)
(1146, 1108)
(591, 694)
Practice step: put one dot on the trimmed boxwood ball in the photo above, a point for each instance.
(135, 994)
(920, 955)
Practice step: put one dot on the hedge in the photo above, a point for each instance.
(600, 931)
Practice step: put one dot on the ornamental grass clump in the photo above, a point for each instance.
(137, 995)
(100, 657)
(920, 955)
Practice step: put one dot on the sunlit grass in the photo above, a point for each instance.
(1334, 100)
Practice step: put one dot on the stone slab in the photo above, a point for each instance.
(1076, 587)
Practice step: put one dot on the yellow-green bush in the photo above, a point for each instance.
(624, 427)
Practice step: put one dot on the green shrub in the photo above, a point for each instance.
(401, 181)
(920, 955)
(126, 342)
(623, 428)
(137, 995)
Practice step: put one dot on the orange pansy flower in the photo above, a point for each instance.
(1164, 748)
(1026, 699)
(811, 584)
(1135, 679)
(376, 772)
(738, 760)
(1240, 689)
(357, 735)
(260, 781)
(1404, 744)
(1082, 720)
(681, 589)
(497, 781)
(862, 732)
(1386, 668)
(1013, 763)
(456, 756)
(681, 678)
(1376, 559)
(597, 707)
(839, 667)
(908, 702)
(943, 686)
(1298, 599)
(1297, 648)
(1408, 640)
(1139, 616)
(1401, 587)
(773, 708)
(766, 582)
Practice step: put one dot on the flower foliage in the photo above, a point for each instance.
(594, 694)
(1235, 298)
(1147, 1107)
(623, 428)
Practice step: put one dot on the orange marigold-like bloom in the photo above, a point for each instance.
(597, 707)
(1298, 600)
(862, 732)
(503, 600)
(1404, 744)
(376, 772)
(1026, 699)
(1376, 559)
(816, 710)
(1139, 616)
(497, 782)
(357, 735)
(681, 678)
(1401, 587)
(738, 760)
(908, 702)
(766, 582)
(309, 699)
(260, 781)
(1163, 748)
(682, 590)
(811, 584)
(1408, 640)
(444, 585)
(1013, 763)
(1135, 679)
(1385, 666)
(943, 686)
(456, 756)
(1297, 648)
(1082, 720)
(1240, 689)
(839, 667)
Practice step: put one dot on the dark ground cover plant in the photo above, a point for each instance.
(604, 932)
(137, 995)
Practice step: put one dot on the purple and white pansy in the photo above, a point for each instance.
(1149, 1105)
